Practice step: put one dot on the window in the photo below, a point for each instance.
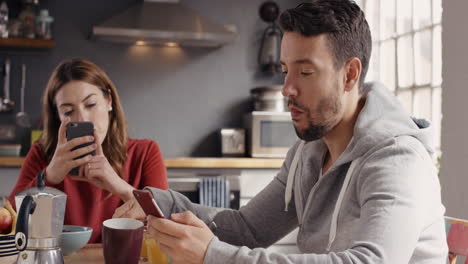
(407, 54)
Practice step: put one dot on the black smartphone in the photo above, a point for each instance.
(149, 205)
(79, 129)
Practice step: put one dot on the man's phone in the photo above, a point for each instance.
(80, 129)
(149, 205)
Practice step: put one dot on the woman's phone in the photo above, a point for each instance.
(79, 129)
(149, 205)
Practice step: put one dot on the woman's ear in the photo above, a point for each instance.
(109, 100)
(353, 73)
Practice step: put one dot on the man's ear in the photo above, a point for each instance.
(353, 73)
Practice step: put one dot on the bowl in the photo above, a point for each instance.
(8, 251)
(74, 238)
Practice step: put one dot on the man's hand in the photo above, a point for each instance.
(130, 209)
(185, 239)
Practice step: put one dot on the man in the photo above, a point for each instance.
(360, 185)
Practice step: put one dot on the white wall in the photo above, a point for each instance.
(454, 170)
(8, 177)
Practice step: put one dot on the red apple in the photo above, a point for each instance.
(5, 220)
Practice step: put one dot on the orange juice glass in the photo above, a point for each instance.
(144, 251)
(155, 255)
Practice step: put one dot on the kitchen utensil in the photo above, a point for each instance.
(22, 118)
(40, 223)
(5, 103)
(269, 98)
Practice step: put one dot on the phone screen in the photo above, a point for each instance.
(79, 129)
(149, 205)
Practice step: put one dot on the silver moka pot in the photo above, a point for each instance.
(40, 223)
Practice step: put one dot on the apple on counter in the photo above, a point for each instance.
(8, 219)
(5, 221)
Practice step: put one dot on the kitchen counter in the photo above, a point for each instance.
(248, 163)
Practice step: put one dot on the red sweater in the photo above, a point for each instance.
(86, 206)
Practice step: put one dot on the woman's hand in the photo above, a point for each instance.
(63, 160)
(99, 172)
(130, 209)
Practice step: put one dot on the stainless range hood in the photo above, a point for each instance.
(164, 22)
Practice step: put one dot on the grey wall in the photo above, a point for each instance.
(455, 94)
(178, 97)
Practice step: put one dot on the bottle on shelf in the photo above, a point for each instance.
(3, 20)
(44, 25)
(27, 17)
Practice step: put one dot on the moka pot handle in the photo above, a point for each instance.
(21, 237)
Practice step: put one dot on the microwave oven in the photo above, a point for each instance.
(269, 134)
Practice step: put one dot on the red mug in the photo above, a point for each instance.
(122, 240)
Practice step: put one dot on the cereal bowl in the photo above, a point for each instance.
(74, 238)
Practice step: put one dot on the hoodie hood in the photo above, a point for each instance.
(381, 118)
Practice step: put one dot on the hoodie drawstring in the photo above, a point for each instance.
(289, 185)
(291, 175)
(336, 211)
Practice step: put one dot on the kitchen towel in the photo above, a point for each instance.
(214, 191)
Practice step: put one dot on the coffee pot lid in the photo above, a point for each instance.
(40, 190)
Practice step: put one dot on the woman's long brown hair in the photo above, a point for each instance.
(115, 143)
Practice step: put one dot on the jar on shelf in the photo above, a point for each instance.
(27, 17)
(3, 20)
(14, 28)
(44, 25)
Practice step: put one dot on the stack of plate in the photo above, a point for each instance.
(7, 248)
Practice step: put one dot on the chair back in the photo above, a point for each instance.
(457, 238)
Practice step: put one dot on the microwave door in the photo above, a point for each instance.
(272, 135)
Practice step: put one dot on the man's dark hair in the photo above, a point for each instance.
(342, 21)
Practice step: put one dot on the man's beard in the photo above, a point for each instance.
(312, 132)
(327, 110)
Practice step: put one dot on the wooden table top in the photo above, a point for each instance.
(89, 254)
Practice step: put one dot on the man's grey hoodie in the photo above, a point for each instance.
(390, 208)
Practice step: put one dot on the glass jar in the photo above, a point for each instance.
(27, 17)
(3, 20)
(44, 25)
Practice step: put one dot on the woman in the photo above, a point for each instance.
(78, 90)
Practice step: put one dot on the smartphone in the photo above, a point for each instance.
(149, 205)
(79, 129)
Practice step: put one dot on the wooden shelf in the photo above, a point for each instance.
(11, 161)
(27, 43)
(236, 163)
